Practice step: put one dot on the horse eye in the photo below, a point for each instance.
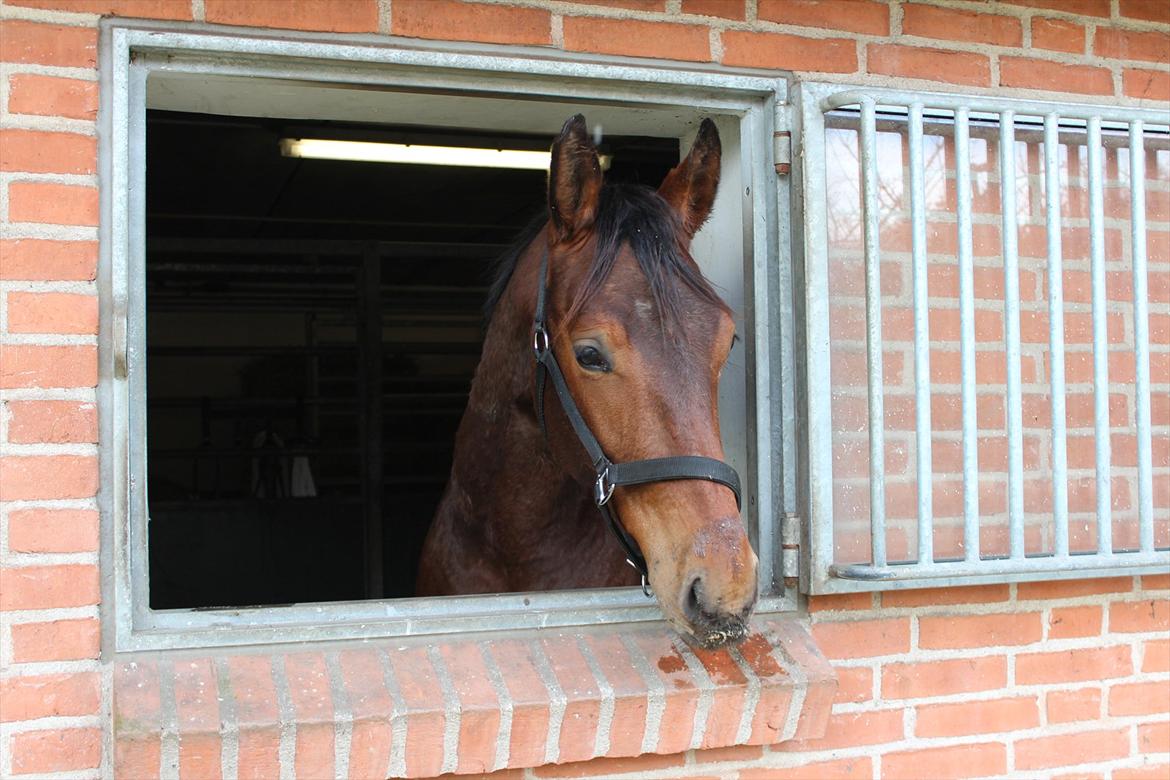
(591, 359)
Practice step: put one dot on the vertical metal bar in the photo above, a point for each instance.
(1011, 330)
(967, 336)
(369, 296)
(1100, 340)
(873, 328)
(1141, 334)
(921, 339)
(1056, 335)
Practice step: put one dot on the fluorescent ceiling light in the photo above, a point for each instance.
(365, 151)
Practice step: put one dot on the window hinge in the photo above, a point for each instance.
(790, 546)
(782, 152)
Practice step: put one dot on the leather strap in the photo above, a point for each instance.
(611, 475)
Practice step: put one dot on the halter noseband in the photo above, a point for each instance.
(609, 474)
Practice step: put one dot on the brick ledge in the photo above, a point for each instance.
(421, 707)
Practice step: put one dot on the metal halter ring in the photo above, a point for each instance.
(603, 489)
(646, 589)
(539, 341)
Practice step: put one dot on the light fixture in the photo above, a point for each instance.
(417, 154)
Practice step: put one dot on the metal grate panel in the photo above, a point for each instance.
(888, 504)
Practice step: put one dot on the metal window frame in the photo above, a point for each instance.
(819, 574)
(131, 50)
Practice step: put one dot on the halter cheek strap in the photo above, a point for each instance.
(611, 475)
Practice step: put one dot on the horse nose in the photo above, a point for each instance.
(714, 620)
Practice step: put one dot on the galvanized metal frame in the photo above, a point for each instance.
(131, 50)
(821, 575)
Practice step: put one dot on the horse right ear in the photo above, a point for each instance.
(574, 181)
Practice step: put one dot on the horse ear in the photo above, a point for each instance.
(574, 180)
(691, 185)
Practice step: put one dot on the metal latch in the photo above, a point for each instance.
(782, 151)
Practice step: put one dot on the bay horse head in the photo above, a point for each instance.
(642, 338)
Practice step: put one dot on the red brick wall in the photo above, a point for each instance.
(1035, 679)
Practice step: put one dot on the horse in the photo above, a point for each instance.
(643, 338)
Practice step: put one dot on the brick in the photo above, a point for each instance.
(629, 690)
(419, 684)
(479, 722)
(36, 477)
(1028, 73)
(1069, 706)
(1145, 772)
(1070, 749)
(197, 711)
(36, 151)
(55, 422)
(775, 702)
(1150, 10)
(945, 596)
(49, 695)
(637, 38)
(852, 729)
(309, 689)
(954, 25)
(940, 678)
(529, 695)
(32, 93)
(1154, 737)
(35, 259)
(58, 640)
(863, 638)
(726, 9)
(49, 587)
(609, 767)
(1132, 45)
(961, 631)
(1078, 7)
(52, 313)
(1083, 665)
(789, 52)
(142, 9)
(1071, 622)
(846, 15)
(931, 64)
(315, 15)
(369, 702)
(27, 365)
(1150, 615)
(447, 20)
(52, 530)
(977, 717)
(1058, 35)
(52, 204)
(1071, 589)
(979, 760)
(682, 695)
(48, 44)
(1145, 84)
(1156, 655)
(633, 5)
(842, 769)
(728, 754)
(854, 684)
(56, 750)
(842, 602)
(1145, 698)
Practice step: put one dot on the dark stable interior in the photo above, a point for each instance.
(312, 330)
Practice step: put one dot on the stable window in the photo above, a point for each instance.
(991, 354)
(287, 343)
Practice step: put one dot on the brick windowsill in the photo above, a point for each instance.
(421, 707)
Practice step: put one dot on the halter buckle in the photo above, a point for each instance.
(603, 489)
(540, 340)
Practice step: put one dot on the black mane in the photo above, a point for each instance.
(631, 214)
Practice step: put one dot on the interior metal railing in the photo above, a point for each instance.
(1046, 124)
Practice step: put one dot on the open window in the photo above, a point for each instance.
(291, 340)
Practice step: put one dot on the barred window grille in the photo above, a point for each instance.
(997, 359)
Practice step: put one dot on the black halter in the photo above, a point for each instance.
(609, 474)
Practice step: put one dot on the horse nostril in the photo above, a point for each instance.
(691, 605)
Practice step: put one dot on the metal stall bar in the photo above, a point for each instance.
(1011, 331)
(967, 335)
(1056, 335)
(1100, 340)
(921, 338)
(1141, 334)
(873, 333)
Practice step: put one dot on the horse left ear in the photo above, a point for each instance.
(574, 181)
(691, 185)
